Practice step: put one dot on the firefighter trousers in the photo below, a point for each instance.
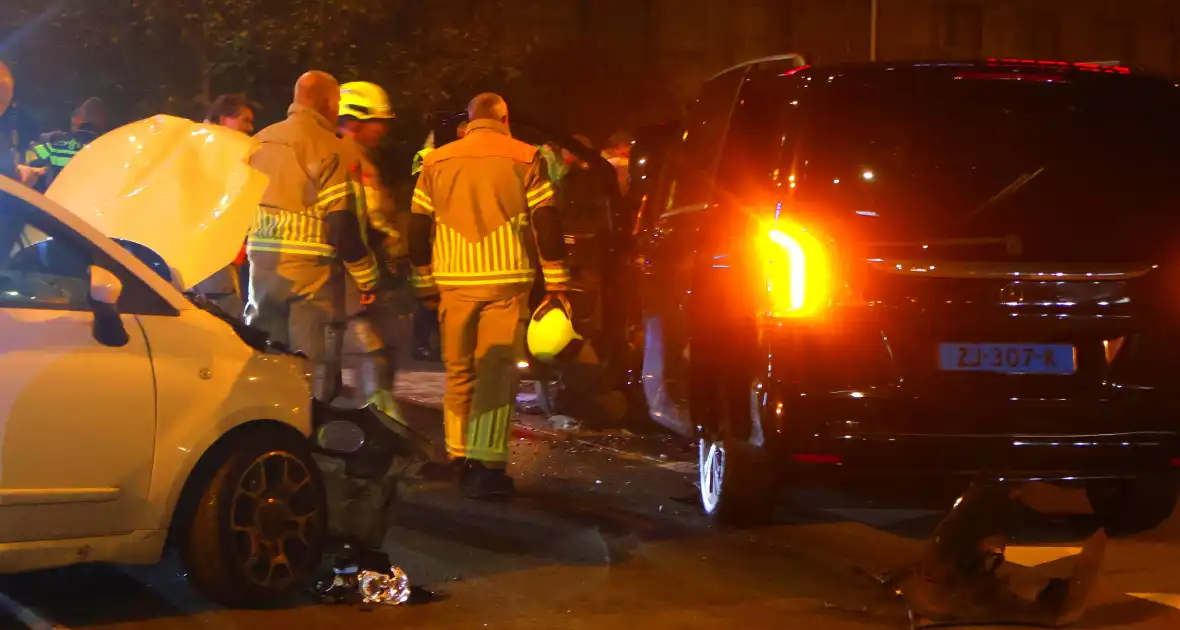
(372, 333)
(299, 301)
(482, 340)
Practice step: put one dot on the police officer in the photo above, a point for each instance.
(363, 122)
(54, 150)
(420, 156)
(306, 224)
(483, 218)
(426, 312)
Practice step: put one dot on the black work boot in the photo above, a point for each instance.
(452, 471)
(481, 482)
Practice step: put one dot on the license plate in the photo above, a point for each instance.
(1007, 358)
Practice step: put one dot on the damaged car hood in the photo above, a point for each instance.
(180, 188)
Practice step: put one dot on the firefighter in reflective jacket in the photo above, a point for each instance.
(363, 122)
(54, 150)
(484, 215)
(306, 221)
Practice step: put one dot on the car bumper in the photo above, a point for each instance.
(1073, 457)
(857, 418)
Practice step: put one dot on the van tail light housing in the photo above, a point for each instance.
(798, 270)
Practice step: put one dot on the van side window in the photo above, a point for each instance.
(692, 166)
(761, 132)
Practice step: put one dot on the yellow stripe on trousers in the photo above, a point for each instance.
(487, 435)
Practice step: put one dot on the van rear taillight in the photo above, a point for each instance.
(797, 270)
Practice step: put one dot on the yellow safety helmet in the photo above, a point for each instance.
(550, 330)
(365, 101)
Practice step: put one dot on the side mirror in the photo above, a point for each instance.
(105, 289)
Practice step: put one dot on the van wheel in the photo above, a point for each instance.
(737, 482)
(257, 532)
(1133, 506)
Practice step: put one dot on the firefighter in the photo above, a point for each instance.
(226, 288)
(484, 215)
(306, 225)
(363, 122)
(53, 150)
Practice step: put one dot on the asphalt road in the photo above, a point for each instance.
(602, 535)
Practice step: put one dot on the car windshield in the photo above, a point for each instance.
(972, 153)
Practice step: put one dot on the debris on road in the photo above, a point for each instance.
(365, 577)
(392, 588)
(956, 581)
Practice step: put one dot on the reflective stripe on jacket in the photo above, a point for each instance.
(54, 150)
(309, 171)
(481, 192)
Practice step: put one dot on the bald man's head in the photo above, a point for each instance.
(319, 91)
(488, 106)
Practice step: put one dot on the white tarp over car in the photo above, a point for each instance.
(182, 189)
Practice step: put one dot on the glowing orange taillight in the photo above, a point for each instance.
(797, 270)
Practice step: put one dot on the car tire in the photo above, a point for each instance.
(737, 483)
(1130, 507)
(257, 530)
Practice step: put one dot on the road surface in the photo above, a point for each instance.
(603, 534)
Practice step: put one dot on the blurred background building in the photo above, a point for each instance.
(589, 66)
(692, 39)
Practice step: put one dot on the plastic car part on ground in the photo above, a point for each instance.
(365, 577)
(956, 581)
(182, 189)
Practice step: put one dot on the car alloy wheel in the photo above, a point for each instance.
(273, 518)
(738, 484)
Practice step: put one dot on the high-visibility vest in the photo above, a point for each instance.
(419, 159)
(55, 150)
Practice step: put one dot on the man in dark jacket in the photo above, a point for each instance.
(227, 288)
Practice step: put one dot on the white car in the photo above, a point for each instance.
(129, 417)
